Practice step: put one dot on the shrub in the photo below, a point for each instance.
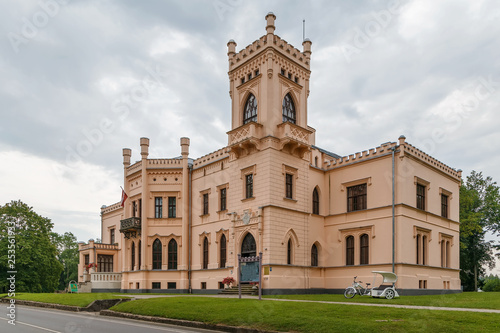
(492, 284)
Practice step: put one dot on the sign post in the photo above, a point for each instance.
(250, 270)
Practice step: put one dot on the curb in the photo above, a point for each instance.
(180, 322)
(95, 306)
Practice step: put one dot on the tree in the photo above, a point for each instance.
(491, 283)
(67, 249)
(479, 213)
(36, 264)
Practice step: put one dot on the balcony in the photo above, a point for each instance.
(247, 131)
(98, 246)
(294, 139)
(131, 227)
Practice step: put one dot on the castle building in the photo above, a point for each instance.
(318, 218)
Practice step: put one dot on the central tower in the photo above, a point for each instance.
(269, 87)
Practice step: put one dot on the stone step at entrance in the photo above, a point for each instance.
(246, 289)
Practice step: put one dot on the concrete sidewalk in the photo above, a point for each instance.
(401, 306)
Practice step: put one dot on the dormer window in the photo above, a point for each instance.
(288, 109)
(250, 111)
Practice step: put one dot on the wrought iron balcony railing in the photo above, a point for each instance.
(131, 227)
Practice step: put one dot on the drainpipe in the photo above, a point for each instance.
(393, 149)
(190, 168)
(185, 208)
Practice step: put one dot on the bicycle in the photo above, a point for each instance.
(357, 288)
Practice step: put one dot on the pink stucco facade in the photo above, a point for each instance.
(318, 218)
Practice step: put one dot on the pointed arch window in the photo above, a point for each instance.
(315, 201)
(172, 254)
(289, 252)
(139, 250)
(248, 246)
(314, 255)
(364, 247)
(157, 254)
(349, 251)
(288, 109)
(250, 111)
(205, 253)
(223, 251)
(132, 259)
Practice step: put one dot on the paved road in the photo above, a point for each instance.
(30, 320)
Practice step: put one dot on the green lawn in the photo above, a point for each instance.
(311, 317)
(490, 300)
(82, 300)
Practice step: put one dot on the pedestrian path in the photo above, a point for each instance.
(401, 306)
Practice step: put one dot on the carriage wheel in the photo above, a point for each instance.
(389, 294)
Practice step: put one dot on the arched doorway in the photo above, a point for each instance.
(248, 246)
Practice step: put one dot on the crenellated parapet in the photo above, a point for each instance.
(383, 149)
(403, 149)
(406, 148)
(164, 163)
(136, 167)
(210, 158)
(270, 40)
(111, 208)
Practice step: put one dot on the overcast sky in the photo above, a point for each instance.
(80, 80)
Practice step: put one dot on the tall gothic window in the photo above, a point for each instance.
(248, 246)
(250, 111)
(349, 250)
(157, 254)
(288, 109)
(315, 201)
(364, 247)
(223, 251)
(314, 255)
(205, 253)
(139, 250)
(132, 260)
(172, 254)
(289, 252)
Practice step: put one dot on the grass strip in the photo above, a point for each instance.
(470, 300)
(81, 300)
(310, 317)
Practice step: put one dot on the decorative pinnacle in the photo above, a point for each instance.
(231, 48)
(270, 18)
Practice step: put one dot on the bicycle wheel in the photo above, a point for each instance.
(349, 292)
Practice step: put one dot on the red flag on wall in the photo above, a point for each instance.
(124, 197)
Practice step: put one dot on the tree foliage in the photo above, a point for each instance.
(479, 213)
(491, 283)
(67, 254)
(36, 263)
